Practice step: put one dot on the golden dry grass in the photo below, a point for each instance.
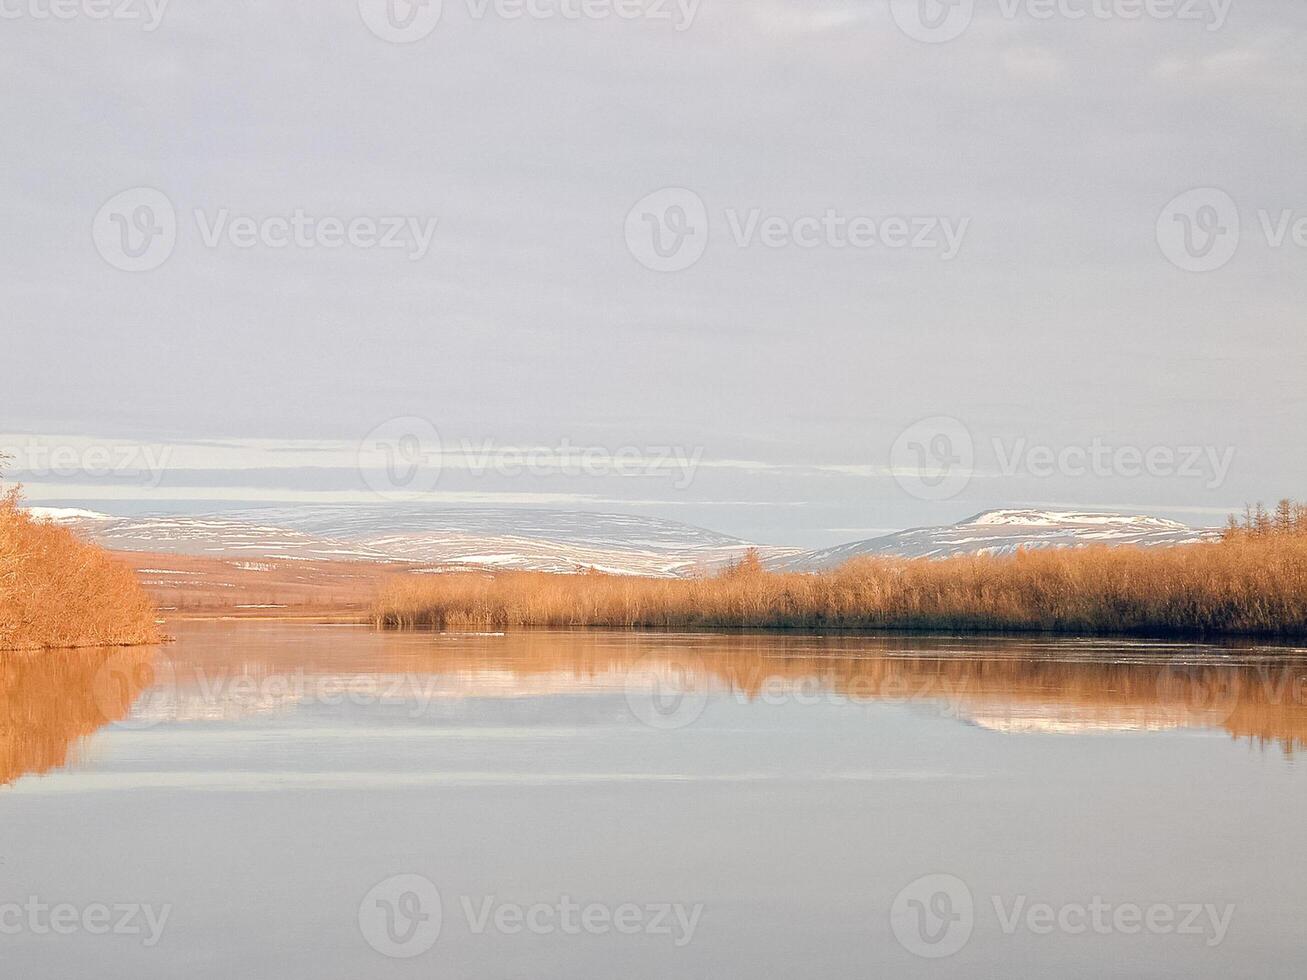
(59, 591)
(1243, 586)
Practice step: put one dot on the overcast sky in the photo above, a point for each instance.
(1055, 321)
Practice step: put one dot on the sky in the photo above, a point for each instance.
(801, 272)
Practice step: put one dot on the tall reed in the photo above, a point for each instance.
(1241, 586)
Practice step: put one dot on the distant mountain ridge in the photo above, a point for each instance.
(1002, 532)
(568, 541)
(444, 538)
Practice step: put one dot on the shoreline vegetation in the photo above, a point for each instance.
(1251, 583)
(59, 592)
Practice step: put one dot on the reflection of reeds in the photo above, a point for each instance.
(1255, 587)
(1067, 688)
(50, 701)
(1249, 690)
(59, 591)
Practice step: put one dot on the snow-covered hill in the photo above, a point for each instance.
(1003, 532)
(500, 538)
(569, 541)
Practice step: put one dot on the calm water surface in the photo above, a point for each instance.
(287, 801)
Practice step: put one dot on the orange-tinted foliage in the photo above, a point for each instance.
(1252, 586)
(59, 591)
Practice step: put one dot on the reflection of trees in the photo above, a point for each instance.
(51, 700)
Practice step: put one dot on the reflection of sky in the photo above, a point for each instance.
(795, 822)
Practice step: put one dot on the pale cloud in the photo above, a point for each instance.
(1036, 64)
(1235, 62)
(1245, 64)
(528, 321)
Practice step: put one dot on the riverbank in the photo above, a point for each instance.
(1253, 586)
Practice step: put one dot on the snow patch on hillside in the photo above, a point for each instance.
(1052, 518)
(1003, 532)
(66, 515)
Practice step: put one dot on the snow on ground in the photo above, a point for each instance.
(66, 515)
(566, 541)
(1001, 532)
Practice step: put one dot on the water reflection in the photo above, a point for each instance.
(50, 702)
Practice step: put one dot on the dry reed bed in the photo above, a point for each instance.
(1254, 586)
(59, 591)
